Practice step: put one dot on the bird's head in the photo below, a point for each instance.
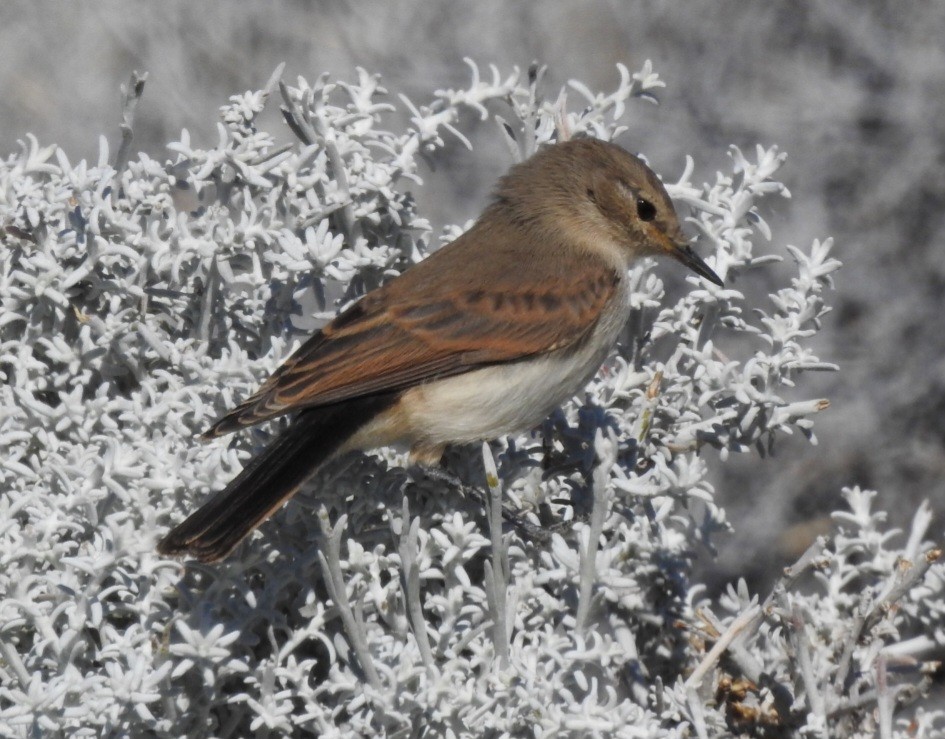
(599, 194)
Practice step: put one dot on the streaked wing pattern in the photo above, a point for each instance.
(396, 338)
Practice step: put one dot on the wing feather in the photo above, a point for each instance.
(421, 326)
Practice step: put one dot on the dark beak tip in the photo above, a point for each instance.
(692, 260)
(712, 277)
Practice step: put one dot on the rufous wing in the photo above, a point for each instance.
(429, 323)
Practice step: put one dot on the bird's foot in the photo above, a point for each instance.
(526, 528)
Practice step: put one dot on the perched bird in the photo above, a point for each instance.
(484, 337)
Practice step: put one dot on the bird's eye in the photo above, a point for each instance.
(645, 209)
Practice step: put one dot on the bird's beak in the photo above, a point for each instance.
(684, 253)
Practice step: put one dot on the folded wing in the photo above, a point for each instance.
(421, 326)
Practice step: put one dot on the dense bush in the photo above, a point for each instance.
(142, 298)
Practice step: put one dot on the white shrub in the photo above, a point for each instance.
(141, 299)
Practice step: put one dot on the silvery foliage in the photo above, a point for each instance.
(142, 298)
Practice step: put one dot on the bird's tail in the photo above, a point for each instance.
(271, 478)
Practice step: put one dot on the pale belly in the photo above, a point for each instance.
(493, 401)
(490, 402)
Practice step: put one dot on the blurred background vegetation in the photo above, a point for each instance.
(853, 90)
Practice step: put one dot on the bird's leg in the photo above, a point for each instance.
(526, 528)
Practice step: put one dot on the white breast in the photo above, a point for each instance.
(490, 402)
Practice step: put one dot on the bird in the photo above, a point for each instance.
(484, 337)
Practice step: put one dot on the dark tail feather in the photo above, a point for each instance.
(271, 478)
